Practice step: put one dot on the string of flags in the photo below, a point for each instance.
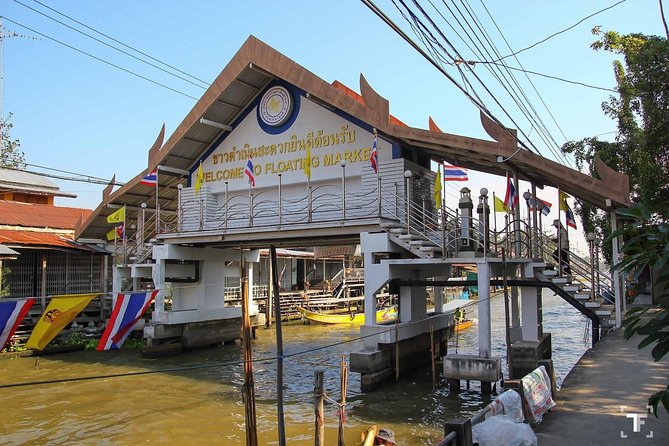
(63, 309)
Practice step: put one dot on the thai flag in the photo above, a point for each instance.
(374, 157)
(571, 222)
(249, 173)
(151, 179)
(453, 173)
(511, 198)
(127, 311)
(11, 315)
(540, 205)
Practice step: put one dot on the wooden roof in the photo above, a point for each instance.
(256, 64)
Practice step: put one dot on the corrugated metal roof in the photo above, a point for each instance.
(31, 215)
(19, 180)
(6, 252)
(36, 239)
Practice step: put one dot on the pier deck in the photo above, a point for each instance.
(614, 373)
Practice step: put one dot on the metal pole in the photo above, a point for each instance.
(280, 200)
(225, 211)
(378, 191)
(516, 217)
(279, 345)
(309, 200)
(158, 203)
(343, 190)
(248, 390)
(592, 269)
(250, 206)
(397, 191)
(535, 216)
(559, 235)
(408, 198)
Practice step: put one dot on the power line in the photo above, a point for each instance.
(83, 179)
(125, 45)
(557, 78)
(560, 32)
(107, 44)
(100, 59)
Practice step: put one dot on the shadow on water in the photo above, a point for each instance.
(204, 404)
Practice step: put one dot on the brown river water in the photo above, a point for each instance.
(203, 405)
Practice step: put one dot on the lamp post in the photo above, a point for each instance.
(591, 241)
(527, 195)
(408, 174)
(483, 212)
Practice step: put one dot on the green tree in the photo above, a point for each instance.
(10, 153)
(641, 147)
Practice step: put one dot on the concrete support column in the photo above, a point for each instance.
(531, 308)
(618, 280)
(515, 307)
(413, 304)
(158, 275)
(439, 296)
(135, 284)
(485, 336)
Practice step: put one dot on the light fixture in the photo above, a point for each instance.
(218, 125)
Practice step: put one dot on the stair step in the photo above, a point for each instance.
(562, 280)
(406, 237)
(582, 296)
(572, 288)
(538, 265)
(418, 243)
(604, 311)
(591, 304)
(428, 248)
(549, 273)
(397, 230)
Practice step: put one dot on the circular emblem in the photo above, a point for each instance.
(276, 106)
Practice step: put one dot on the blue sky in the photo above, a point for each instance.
(75, 113)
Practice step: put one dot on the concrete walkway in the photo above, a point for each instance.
(613, 374)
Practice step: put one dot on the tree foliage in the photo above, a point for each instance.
(10, 153)
(641, 110)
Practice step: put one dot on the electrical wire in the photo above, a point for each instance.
(100, 59)
(109, 45)
(548, 76)
(85, 179)
(558, 33)
(215, 364)
(123, 44)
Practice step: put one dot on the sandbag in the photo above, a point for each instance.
(502, 430)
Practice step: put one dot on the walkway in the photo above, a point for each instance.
(613, 374)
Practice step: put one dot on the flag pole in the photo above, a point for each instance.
(378, 173)
(559, 233)
(157, 202)
(125, 209)
(494, 205)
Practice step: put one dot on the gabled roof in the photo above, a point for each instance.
(256, 64)
(12, 180)
(32, 215)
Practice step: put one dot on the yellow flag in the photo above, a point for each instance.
(199, 179)
(117, 217)
(60, 312)
(111, 235)
(307, 163)
(499, 205)
(437, 190)
(563, 201)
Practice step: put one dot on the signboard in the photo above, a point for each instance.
(336, 251)
(326, 136)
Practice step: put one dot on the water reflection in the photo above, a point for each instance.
(204, 404)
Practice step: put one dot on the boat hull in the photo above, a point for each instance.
(385, 315)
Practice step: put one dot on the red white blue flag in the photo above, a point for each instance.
(11, 315)
(538, 204)
(151, 179)
(127, 311)
(571, 221)
(454, 173)
(248, 170)
(374, 157)
(511, 197)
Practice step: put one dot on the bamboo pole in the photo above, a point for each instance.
(279, 345)
(319, 427)
(343, 373)
(369, 436)
(248, 390)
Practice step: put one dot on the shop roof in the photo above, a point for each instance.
(37, 239)
(12, 180)
(32, 215)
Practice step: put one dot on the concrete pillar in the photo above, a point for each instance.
(515, 307)
(485, 336)
(438, 299)
(413, 304)
(158, 275)
(530, 307)
(249, 273)
(618, 284)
